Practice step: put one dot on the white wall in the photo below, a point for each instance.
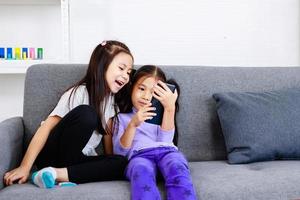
(192, 32)
(11, 95)
(32, 26)
(195, 32)
(26, 23)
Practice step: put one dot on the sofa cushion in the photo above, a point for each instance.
(106, 190)
(260, 126)
(213, 180)
(218, 180)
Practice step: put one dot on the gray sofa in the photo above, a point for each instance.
(200, 136)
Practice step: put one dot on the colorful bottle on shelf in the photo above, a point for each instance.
(2, 53)
(32, 53)
(40, 53)
(9, 53)
(18, 53)
(24, 53)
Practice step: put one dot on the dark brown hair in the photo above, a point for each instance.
(95, 81)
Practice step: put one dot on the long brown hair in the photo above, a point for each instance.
(156, 72)
(95, 81)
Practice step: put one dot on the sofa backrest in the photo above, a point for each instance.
(200, 136)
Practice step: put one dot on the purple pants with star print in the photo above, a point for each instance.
(142, 170)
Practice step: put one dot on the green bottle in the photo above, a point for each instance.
(40, 53)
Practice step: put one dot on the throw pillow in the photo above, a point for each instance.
(260, 126)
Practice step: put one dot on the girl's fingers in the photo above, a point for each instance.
(148, 118)
(147, 109)
(150, 114)
(159, 88)
(11, 178)
(6, 175)
(158, 92)
(157, 97)
(7, 180)
(22, 180)
(150, 109)
(164, 86)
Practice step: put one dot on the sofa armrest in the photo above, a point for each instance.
(11, 145)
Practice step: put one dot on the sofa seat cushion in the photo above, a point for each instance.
(110, 190)
(218, 180)
(213, 180)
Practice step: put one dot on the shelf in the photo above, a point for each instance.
(35, 23)
(29, 2)
(20, 66)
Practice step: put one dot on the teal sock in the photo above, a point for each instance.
(44, 178)
(66, 184)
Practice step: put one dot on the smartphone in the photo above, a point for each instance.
(159, 108)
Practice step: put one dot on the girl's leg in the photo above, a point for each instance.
(142, 175)
(174, 169)
(67, 139)
(98, 168)
(63, 150)
(64, 145)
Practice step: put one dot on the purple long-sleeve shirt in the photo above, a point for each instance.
(146, 136)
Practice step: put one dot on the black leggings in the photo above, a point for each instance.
(64, 146)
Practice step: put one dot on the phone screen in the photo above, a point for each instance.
(159, 108)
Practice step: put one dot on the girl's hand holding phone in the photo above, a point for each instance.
(143, 114)
(166, 97)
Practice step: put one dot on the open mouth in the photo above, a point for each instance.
(119, 83)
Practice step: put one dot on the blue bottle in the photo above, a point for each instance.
(9, 53)
(2, 53)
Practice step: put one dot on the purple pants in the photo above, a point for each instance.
(142, 170)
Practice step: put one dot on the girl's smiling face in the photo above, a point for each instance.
(117, 73)
(142, 91)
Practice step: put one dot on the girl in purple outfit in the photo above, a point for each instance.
(150, 147)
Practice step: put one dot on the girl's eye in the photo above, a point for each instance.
(121, 68)
(141, 89)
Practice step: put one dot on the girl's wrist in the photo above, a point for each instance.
(25, 167)
(170, 109)
(132, 125)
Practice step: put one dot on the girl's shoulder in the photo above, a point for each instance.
(75, 96)
(76, 91)
(79, 89)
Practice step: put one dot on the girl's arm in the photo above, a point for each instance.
(129, 133)
(38, 141)
(168, 100)
(108, 146)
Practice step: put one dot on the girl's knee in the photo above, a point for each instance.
(121, 161)
(177, 167)
(140, 168)
(86, 115)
